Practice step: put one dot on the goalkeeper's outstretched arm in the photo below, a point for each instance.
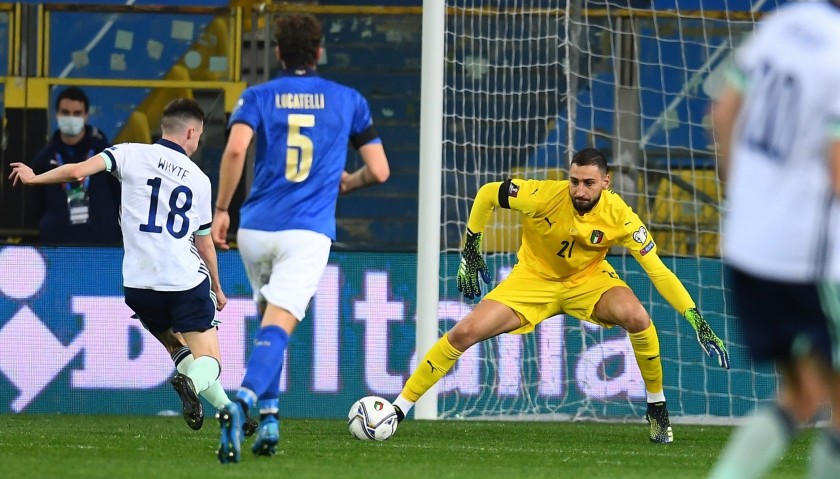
(498, 194)
(472, 263)
(672, 289)
(484, 204)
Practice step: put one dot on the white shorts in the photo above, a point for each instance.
(284, 267)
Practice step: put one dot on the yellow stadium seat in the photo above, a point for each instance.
(214, 42)
(676, 205)
(247, 7)
(686, 243)
(682, 223)
(136, 129)
(154, 103)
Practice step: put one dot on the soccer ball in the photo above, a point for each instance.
(372, 418)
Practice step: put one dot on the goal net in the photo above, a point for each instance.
(528, 82)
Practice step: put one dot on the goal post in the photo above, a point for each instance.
(428, 208)
(525, 83)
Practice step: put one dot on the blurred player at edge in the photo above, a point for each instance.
(777, 128)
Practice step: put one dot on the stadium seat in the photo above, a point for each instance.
(157, 99)
(135, 130)
(247, 7)
(686, 222)
(686, 243)
(213, 42)
(675, 204)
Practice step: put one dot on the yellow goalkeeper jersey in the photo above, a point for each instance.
(561, 244)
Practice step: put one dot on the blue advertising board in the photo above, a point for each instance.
(69, 345)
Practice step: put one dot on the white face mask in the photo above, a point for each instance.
(71, 125)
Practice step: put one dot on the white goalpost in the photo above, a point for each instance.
(511, 89)
(428, 210)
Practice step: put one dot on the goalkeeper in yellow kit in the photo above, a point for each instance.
(568, 228)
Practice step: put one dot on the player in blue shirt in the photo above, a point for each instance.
(302, 124)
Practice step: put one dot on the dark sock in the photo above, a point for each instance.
(179, 354)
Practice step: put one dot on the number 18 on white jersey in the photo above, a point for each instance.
(166, 198)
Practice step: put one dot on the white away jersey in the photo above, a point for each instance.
(779, 193)
(165, 199)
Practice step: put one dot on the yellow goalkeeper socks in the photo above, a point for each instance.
(646, 348)
(430, 369)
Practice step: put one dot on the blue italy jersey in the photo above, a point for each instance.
(303, 124)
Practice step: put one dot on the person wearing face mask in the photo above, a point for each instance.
(79, 212)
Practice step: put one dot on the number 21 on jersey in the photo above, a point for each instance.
(566, 248)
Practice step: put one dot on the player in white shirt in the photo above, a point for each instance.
(170, 271)
(777, 127)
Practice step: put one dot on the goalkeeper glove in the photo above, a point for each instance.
(472, 264)
(709, 341)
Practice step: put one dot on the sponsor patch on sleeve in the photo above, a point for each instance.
(647, 248)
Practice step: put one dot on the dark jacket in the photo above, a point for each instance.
(51, 200)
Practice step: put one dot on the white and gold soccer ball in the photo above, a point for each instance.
(372, 418)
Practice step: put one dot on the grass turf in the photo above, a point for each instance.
(122, 447)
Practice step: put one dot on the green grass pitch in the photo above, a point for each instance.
(122, 447)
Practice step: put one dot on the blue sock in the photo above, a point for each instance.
(263, 372)
(268, 403)
(268, 399)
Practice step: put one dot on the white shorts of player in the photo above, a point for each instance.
(284, 267)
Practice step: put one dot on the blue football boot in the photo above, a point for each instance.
(268, 435)
(231, 419)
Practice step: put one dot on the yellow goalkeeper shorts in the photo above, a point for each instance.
(536, 299)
